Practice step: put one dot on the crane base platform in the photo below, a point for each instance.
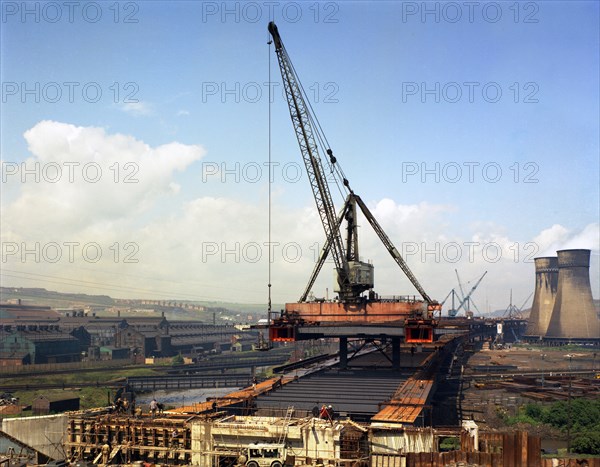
(408, 314)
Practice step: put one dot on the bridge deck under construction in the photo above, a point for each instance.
(393, 403)
(356, 394)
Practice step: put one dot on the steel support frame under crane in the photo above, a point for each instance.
(353, 276)
(350, 208)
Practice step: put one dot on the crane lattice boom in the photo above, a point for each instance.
(310, 154)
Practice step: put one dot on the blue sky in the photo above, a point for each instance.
(195, 68)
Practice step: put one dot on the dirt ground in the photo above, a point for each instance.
(485, 402)
(536, 358)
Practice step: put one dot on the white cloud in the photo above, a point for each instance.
(558, 237)
(138, 109)
(86, 177)
(213, 247)
(182, 113)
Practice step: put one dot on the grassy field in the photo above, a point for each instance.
(90, 397)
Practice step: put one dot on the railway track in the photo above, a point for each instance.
(513, 374)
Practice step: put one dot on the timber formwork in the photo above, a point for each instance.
(164, 439)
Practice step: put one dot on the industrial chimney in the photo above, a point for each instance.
(574, 315)
(546, 280)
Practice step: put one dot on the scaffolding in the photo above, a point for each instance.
(124, 440)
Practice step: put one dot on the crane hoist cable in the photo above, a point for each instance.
(269, 41)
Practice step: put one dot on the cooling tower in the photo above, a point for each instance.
(546, 280)
(573, 314)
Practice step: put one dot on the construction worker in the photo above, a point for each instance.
(174, 436)
(330, 412)
(128, 451)
(241, 460)
(105, 452)
(153, 407)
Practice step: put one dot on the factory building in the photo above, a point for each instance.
(24, 344)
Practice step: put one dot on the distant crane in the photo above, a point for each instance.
(446, 298)
(454, 294)
(462, 292)
(512, 312)
(466, 300)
